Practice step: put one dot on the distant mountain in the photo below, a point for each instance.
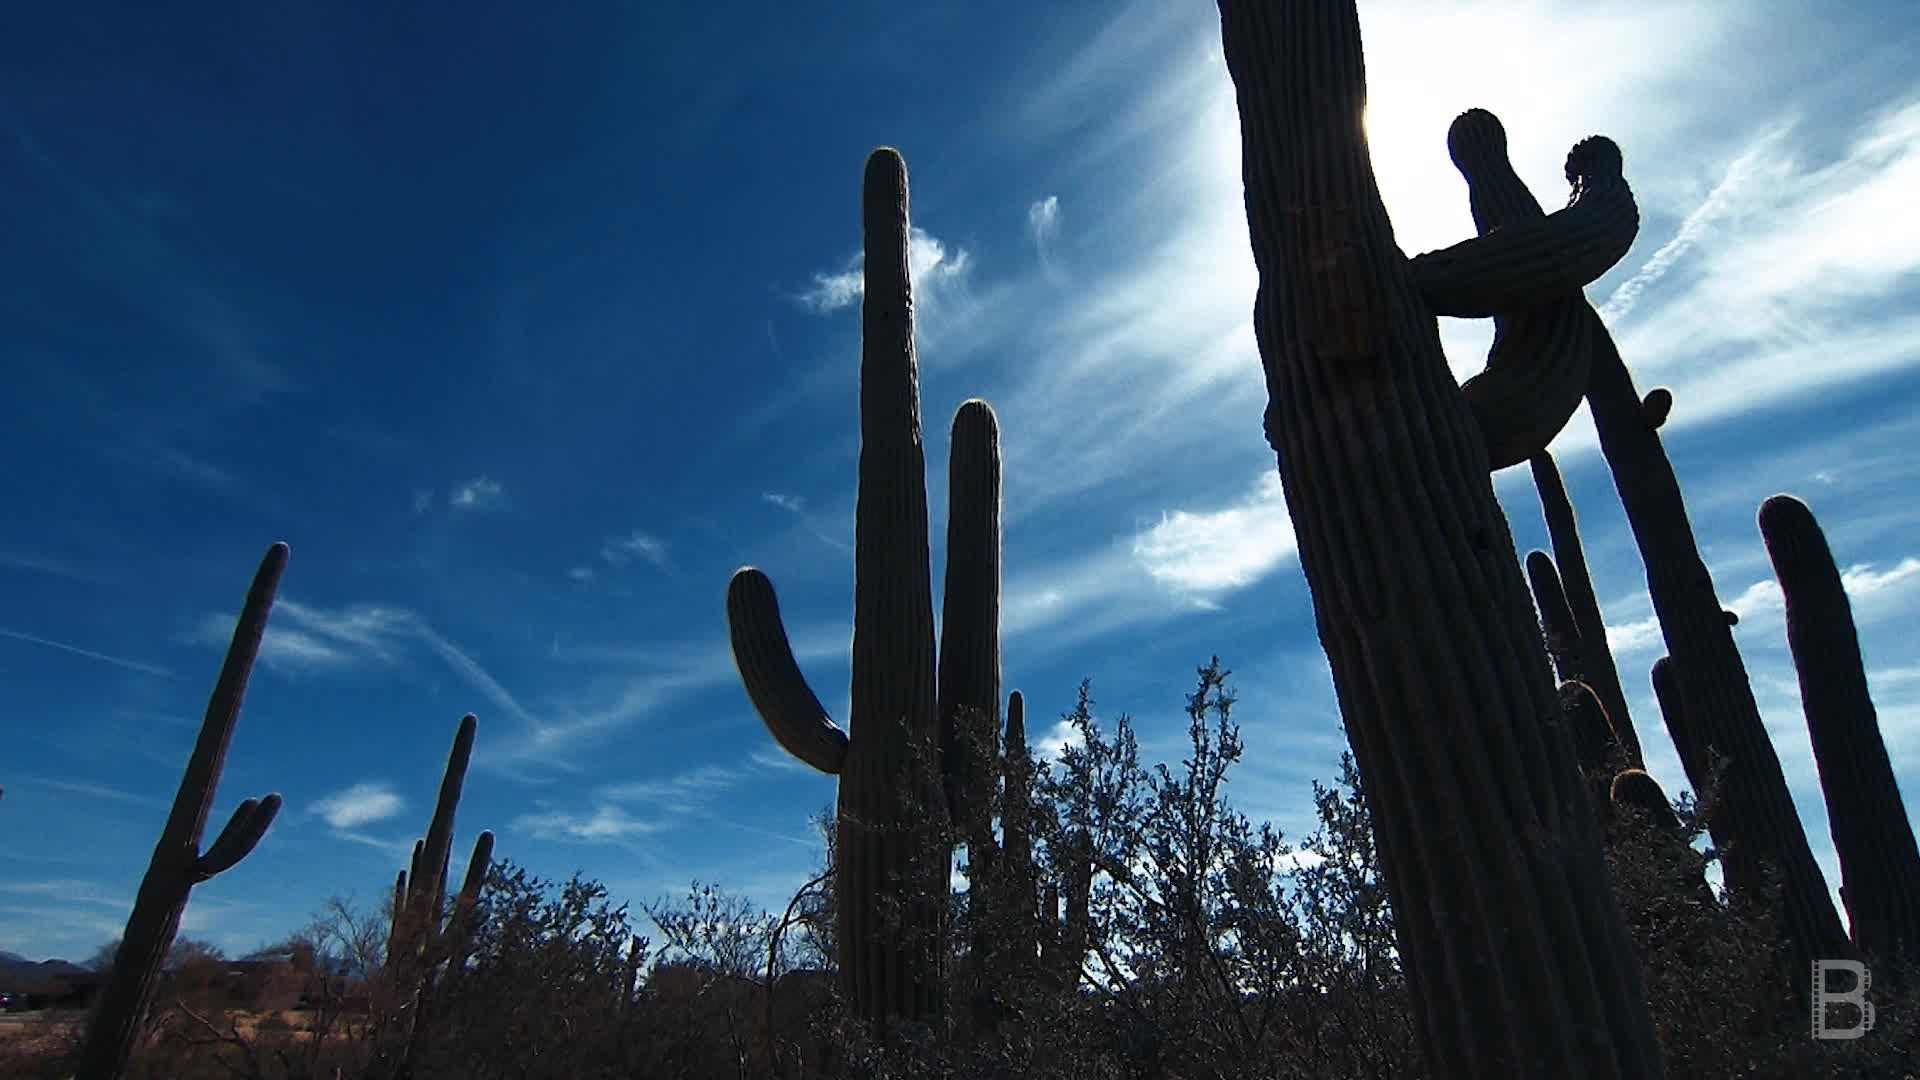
(17, 969)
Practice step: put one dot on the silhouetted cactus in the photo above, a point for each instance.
(906, 754)
(1598, 669)
(1514, 949)
(1556, 618)
(1594, 740)
(178, 862)
(424, 934)
(1879, 861)
(1757, 823)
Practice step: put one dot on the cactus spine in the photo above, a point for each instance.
(178, 862)
(1517, 956)
(907, 749)
(1570, 560)
(1879, 862)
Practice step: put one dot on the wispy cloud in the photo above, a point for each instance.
(1637, 636)
(422, 501)
(68, 890)
(476, 676)
(117, 661)
(11, 560)
(1763, 600)
(680, 790)
(944, 302)
(637, 544)
(790, 503)
(1212, 551)
(1758, 163)
(201, 473)
(479, 493)
(580, 573)
(933, 267)
(362, 804)
(89, 789)
(1043, 222)
(302, 640)
(605, 823)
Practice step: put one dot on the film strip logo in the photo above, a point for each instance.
(1831, 1007)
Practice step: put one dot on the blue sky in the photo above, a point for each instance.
(525, 332)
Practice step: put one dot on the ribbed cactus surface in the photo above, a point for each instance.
(917, 758)
(1515, 951)
(1872, 835)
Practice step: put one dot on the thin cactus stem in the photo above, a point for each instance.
(1758, 823)
(1564, 642)
(1872, 835)
(178, 863)
(1576, 583)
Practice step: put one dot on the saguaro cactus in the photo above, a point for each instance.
(1879, 861)
(424, 934)
(1515, 951)
(892, 835)
(178, 862)
(1758, 823)
(1570, 560)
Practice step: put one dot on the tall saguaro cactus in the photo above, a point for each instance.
(178, 862)
(1879, 862)
(1758, 824)
(423, 934)
(904, 757)
(1516, 953)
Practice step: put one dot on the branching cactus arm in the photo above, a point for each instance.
(178, 863)
(1520, 965)
(779, 692)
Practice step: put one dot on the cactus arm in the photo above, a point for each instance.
(174, 869)
(1639, 790)
(243, 832)
(1443, 683)
(1759, 823)
(1556, 617)
(460, 934)
(1524, 263)
(1872, 836)
(439, 839)
(477, 866)
(1576, 584)
(779, 692)
(1655, 407)
(1595, 744)
(969, 669)
(1536, 371)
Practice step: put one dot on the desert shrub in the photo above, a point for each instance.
(1166, 935)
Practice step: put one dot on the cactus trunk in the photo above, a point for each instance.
(1879, 861)
(917, 756)
(1515, 952)
(178, 863)
(1757, 823)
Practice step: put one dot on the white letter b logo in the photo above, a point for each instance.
(1824, 999)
